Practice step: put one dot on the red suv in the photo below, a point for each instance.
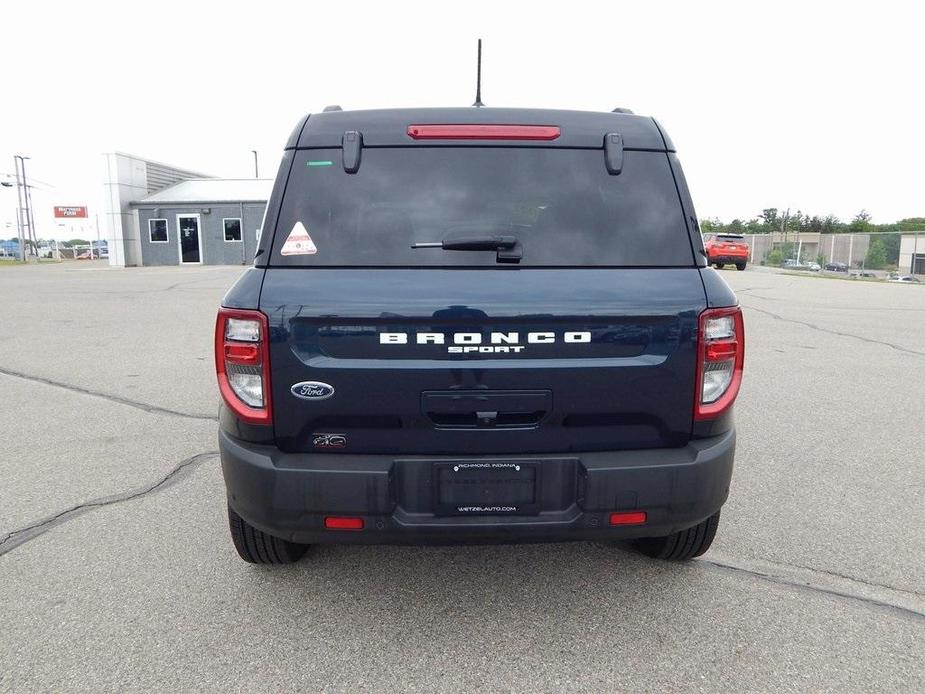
(726, 248)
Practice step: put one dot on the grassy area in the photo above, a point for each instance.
(12, 262)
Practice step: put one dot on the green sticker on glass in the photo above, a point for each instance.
(321, 162)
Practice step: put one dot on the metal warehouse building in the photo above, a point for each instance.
(157, 214)
(210, 221)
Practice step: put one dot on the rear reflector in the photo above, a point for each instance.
(483, 132)
(343, 523)
(628, 518)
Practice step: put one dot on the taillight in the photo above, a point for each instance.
(720, 358)
(242, 363)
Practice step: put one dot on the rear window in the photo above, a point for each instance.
(561, 205)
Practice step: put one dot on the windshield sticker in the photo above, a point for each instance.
(321, 162)
(299, 242)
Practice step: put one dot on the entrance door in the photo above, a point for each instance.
(190, 245)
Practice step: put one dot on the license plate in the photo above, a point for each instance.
(486, 488)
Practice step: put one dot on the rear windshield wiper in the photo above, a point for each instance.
(508, 248)
(471, 243)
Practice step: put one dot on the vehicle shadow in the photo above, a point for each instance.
(503, 583)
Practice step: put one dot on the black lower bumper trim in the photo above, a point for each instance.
(290, 494)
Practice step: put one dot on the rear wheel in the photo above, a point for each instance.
(740, 266)
(257, 547)
(682, 545)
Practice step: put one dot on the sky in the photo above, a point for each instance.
(804, 105)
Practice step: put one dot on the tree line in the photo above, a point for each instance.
(772, 220)
(882, 252)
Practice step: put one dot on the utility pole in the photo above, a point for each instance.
(99, 244)
(26, 199)
(19, 231)
(256, 172)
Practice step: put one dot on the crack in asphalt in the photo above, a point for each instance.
(19, 537)
(854, 579)
(154, 409)
(804, 583)
(898, 348)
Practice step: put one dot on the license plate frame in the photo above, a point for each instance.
(477, 488)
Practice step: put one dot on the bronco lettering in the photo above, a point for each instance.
(499, 342)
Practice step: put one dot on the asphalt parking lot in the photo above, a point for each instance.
(117, 572)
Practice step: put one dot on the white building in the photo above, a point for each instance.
(912, 254)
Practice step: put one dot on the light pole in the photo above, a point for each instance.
(256, 174)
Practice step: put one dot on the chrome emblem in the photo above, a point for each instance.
(329, 440)
(312, 390)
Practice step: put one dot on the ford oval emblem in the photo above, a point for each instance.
(312, 390)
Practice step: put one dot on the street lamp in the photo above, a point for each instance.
(256, 174)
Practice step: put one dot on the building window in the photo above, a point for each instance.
(232, 229)
(157, 230)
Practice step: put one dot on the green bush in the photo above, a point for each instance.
(877, 257)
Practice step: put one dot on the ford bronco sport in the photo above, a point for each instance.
(478, 325)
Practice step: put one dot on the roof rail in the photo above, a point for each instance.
(620, 109)
(333, 107)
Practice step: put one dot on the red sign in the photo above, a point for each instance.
(70, 212)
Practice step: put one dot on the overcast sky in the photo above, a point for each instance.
(812, 106)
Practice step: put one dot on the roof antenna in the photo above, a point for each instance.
(478, 80)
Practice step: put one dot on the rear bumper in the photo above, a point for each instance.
(724, 258)
(289, 495)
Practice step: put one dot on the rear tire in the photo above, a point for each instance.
(740, 266)
(257, 547)
(682, 545)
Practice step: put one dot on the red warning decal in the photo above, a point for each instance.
(299, 242)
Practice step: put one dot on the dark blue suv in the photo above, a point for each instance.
(478, 325)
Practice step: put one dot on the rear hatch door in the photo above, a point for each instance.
(482, 361)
